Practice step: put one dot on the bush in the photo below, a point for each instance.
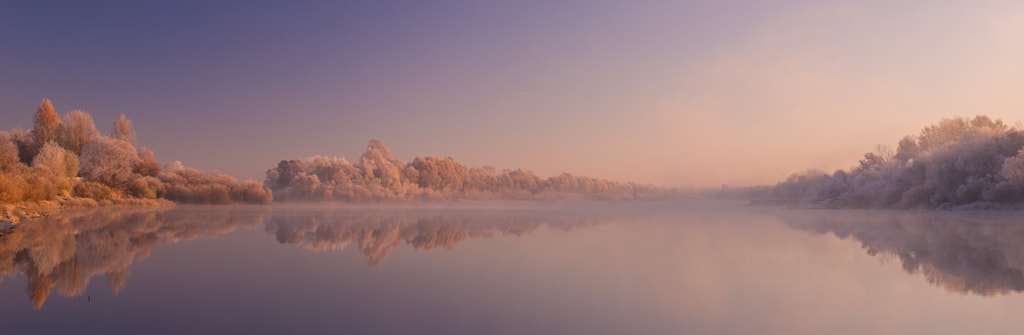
(12, 187)
(192, 186)
(147, 166)
(109, 161)
(58, 160)
(146, 188)
(93, 190)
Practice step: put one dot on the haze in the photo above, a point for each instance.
(700, 93)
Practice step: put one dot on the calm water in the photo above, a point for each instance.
(522, 268)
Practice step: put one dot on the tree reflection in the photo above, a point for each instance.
(65, 252)
(976, 253)
(377, 233)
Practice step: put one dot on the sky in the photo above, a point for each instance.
(674, 93)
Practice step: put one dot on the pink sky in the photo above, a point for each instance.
(696, 94)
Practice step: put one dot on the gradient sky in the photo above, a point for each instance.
(694, 93)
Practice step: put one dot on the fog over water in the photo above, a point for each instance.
(573, 267)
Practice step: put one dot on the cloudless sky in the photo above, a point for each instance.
(676, 93)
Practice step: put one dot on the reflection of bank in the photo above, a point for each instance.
(979, 254)
(377, 233)
(65, 252)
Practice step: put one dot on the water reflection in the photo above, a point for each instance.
(377, 233)
(65, 252)
(968, 254)
(976, 253)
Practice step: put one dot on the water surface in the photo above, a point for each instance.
(694, 267)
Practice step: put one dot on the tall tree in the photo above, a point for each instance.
(78, 131)
(123, 130)
(47, 124)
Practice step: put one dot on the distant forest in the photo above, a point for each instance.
(957, 163)
(379, 176)
(66, 162)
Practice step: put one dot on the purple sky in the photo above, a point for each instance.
(676, 93)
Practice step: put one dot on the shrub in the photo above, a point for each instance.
(95, 190)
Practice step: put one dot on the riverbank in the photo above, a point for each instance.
(18, 212)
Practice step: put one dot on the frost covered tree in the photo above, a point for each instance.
(46, 124)
(1013, 169)
(56, 159)
(380, 176)
(907, 149)
(78, 131)
(182, 184)
(957, 162)
(378, 164)
(109, 162)
(440, 174)
(8, 152)
(949, 130)
(147, 164)
(123, 130)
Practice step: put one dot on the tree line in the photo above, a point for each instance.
(957, 163)
(378, 176)
(65, 159)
